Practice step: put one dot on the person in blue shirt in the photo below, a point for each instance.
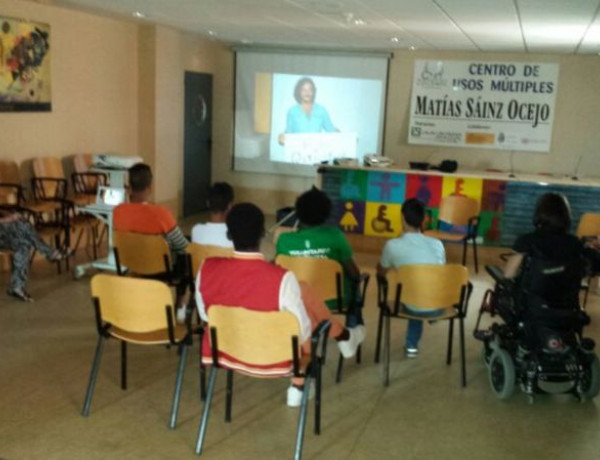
(307, 116)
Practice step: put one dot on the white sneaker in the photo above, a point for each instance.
(181, 314)
(294, 395)
(357, 336)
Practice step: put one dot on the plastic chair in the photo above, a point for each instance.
(142, 255)
(261, 339)
(423, 287)
(140, 312)
(461, 212)
(326, 277)
(199, 252)
(588, 229)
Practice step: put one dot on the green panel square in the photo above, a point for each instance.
(354, 185)
(490, 227)
(430, 223)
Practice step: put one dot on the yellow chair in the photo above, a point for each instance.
(200, 252)
(423, 287)
(326, 277)
(588, 229)
(463, 212)
(262, 339)
(141, 255)
(140, 312)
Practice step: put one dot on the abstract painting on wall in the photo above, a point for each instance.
(24, 66)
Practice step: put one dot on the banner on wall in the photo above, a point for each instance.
(496, 105)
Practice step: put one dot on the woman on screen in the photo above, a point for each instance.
(306, 116)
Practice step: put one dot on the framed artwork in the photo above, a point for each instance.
(25, 83)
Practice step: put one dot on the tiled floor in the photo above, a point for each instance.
(45, 355)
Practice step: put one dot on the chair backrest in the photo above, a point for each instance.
(50, 167)
(428, 286)
(589, 225)
(131, 304)
(200, 252)
(458, 209)
(9, 174)
(254, 337)
(82, 162)
(321, 274)
(142, 254)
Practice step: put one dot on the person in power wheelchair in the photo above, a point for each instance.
(540, 345)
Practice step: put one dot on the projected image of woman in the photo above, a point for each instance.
(307, 116)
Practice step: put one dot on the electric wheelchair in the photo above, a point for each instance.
(539, 344)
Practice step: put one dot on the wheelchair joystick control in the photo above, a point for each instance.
(588, 344)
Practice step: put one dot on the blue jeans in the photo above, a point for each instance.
(414, 330)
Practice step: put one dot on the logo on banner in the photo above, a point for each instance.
(432, 75)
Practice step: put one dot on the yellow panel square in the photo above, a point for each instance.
(383, 219)
(473, 188)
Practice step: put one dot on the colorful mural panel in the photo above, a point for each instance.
(383, 219)
(461, 186)
(385, 187)
(427, 189)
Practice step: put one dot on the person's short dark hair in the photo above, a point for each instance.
(413, 212)
(220, 196)
(140, 177)
(298, 89)
(552, 212)
(245, 226)
(313, 207)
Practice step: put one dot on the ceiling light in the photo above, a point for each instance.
(245, 41)
(212, 33)
(359, 22)
(394, 39)
(138, 14)
(412, 48)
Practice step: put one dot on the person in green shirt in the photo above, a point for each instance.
(317, 239)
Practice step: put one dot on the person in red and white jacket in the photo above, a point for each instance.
(247, 280)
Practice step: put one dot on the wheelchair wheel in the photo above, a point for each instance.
(501, 372)
(589, 386)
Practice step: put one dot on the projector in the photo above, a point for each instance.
(105, 160)
(378, 161)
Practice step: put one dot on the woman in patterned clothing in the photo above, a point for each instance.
(18, 236)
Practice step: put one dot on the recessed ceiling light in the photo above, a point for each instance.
(359, 22)
(212, 33)
(245, 41)
(138, 14)
(412, 48)
(394, 39)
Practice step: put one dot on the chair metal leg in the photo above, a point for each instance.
(302, 420)
(463, 365)
(93, 377)
(340, 369)
(123, 365)
(359, 354)
(228, 396)
(206, 410)
(318, 399)
(450, 340)
(475, 255)
(386, 351)
(378, 339)
(202, 371)
(184, 348)
(464, 259)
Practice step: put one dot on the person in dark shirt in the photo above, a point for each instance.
(550, 244)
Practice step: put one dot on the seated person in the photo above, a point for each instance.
(249, 281)
(18, 236)
(412, 248)
(214, 232)
(550, 241)
(317, 239)
(142, 216)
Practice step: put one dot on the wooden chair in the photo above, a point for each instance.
(197, 254)
(139, 312)
(48, 217)
(262, 339)
(326, 277)
(141, 255)
(588, 229)
(462, 212)
(423, 287)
